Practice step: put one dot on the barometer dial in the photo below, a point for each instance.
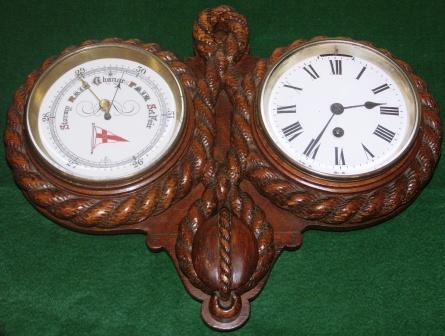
(105, 112)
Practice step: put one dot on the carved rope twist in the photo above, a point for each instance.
(103, 212)
(222, 54)
(226, 48)
(225, 261)
(323, 206)
(242, 207)
(201, 210)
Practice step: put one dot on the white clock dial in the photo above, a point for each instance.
(338, 108)
(106, 118)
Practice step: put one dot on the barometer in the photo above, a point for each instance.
(224, 159)
(105, 112)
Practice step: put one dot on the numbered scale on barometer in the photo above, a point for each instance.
(339, 109)
(105, 112)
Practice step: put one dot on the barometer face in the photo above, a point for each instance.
(339, 109)
(105, 112)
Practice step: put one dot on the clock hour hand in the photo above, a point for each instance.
(369, 105)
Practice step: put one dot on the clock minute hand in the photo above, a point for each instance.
(314, 142)
(369, 105)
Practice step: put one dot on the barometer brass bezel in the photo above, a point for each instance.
(93, 52)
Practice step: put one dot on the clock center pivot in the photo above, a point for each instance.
(337, 108)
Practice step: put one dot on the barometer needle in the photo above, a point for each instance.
(87, 86)
(118, 86)
(104, 104)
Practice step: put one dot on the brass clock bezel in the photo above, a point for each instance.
(92, 52)
(279, 67)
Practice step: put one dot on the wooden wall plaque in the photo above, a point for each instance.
(224, 200)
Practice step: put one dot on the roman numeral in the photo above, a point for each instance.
(384, 133)
(311, 148)
(339, 156)
(389, 110)
(336, 67)
(293, 130)
(360, 73)
(380, 88)
(368, 153)
(311, 71)
(292, 87)
(287, 109)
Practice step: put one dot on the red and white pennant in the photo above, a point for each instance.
(101, 136)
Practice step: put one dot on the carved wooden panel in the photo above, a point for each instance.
(223, 203)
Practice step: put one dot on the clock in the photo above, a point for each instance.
(349, 132)
(105, 112)
(339, 109)
(224, 159)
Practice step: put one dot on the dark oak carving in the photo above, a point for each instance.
(223, 203)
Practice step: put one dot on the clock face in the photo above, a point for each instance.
(339, 109)
(105, 113)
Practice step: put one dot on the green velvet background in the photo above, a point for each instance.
(385, 280)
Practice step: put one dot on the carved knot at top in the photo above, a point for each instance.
(221, 29)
